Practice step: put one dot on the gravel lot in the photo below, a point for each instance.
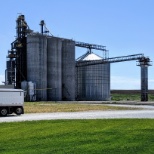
(145, 112)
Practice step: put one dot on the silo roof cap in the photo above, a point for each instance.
(92, 56)
(89, 56)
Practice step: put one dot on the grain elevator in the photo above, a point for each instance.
(44, 66)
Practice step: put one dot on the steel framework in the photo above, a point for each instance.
(17, 55)
(16, 70)
(93, 46)
(44, 29)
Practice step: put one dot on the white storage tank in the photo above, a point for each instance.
(32, 91)
(24, 87)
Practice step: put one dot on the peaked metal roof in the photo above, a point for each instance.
(89, 56)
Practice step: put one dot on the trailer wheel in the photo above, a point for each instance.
(3, 112)
(18, 110)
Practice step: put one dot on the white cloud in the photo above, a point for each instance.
(123, 82)
(151, 84)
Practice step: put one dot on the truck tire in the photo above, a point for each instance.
(19, 110)
(3, 112)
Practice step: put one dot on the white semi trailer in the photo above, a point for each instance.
(11, 101)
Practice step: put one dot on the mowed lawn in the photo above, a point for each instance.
(110, 136)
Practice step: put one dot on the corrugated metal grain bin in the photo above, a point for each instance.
(93, 81)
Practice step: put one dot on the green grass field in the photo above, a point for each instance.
(118, 136)
(129, 97)
(132, 95)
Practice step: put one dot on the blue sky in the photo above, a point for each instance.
(125, 27)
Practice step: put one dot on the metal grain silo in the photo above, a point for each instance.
(68, 70)
(37, 63)
(93, 81)
(54, 67)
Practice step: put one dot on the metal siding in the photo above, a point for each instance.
(68, 70)
(11, 98)
(54, 73)
(93, 82)
(37, 64)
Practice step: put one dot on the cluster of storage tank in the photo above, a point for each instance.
(29, 90)
(51, 66)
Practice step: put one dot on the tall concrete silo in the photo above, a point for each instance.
(68, 70)
(54, 67)
(93, 81)
(37, 63)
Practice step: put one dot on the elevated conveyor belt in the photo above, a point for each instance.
(93, 46)
(111, 60)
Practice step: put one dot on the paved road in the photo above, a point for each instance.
(146, 113)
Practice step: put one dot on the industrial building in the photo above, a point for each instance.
(45, 67)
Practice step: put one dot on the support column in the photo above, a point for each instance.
(144, 83)
(144, 63)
